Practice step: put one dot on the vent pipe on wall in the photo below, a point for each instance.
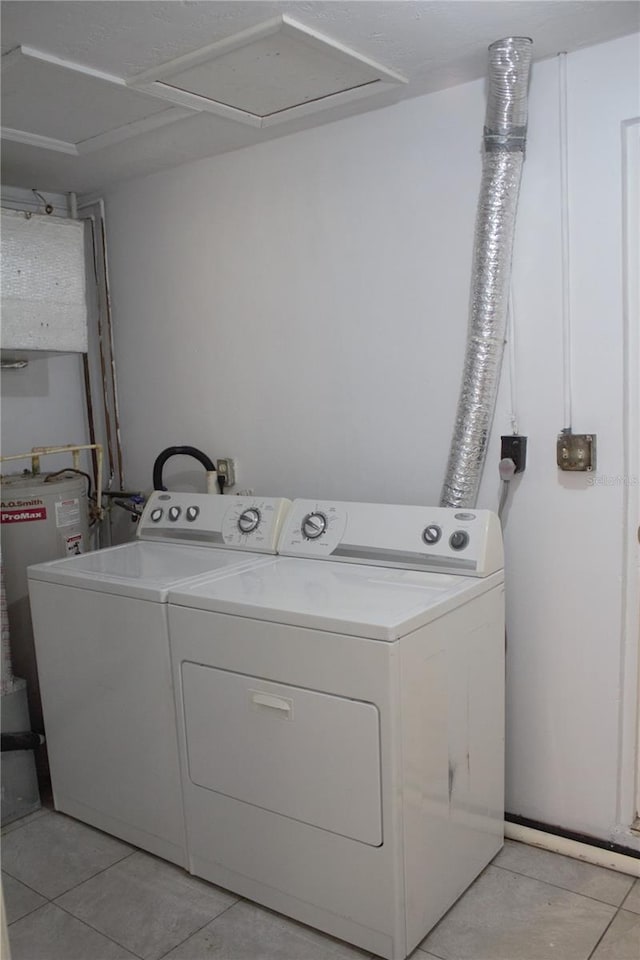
(504, 143)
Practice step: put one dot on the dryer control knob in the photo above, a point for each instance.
(156, 515)
(432, 533)
(174, 513)
(459, 540)
(314, 525)
(248, 520)
(192, 513)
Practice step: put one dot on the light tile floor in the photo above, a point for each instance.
(73, 893)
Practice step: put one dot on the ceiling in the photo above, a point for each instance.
(96, 92)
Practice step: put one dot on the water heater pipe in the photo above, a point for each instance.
(101, 271)
(504, 144)
(74, 449)
(25, 740)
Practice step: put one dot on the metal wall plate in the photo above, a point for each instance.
(576, 451)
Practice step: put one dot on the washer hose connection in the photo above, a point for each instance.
(198, 455)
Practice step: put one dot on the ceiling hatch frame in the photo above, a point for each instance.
(182, 104)
(154, 81)
(98, 141)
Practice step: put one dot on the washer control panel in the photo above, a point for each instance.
(438, 539)
(316, 530)
(252, 523)
(202, 519)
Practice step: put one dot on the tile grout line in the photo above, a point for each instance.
(621, 907)
(33, 890)
(33, 910)
(53, 900)
(10, 828)
(80, 882)
(96, 874)
(558, 887)
(95, 929)
(603, 934)
(28, 913)
(212, 920)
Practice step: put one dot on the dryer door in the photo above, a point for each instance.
(300, 753)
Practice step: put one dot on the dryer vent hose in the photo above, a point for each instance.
(162, 458)
(504, 143)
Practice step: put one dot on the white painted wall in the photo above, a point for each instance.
(43, 405)
(302, 306)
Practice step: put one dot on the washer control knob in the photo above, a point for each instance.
(248, 520)
(432, 533)
(314, 525)
(192, 513)
(458, 539)
(156, 515)
(174, 513)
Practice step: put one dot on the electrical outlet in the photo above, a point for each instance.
(576, 451)
(514, 448)
(226, 467)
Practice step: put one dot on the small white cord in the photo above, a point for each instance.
(564, 240)
(511, 340)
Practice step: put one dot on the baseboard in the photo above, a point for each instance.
(602, 856)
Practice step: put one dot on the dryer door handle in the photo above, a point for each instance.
(261, 699)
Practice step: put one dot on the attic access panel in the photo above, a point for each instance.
(268, 74)
(69, 108)
(48, 100)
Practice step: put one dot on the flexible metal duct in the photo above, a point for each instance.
(504, 143)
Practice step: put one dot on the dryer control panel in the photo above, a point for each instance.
(202, 519)
(465, 542)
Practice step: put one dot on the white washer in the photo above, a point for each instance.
(102, 646)
(341, 724)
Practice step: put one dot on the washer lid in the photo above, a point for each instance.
(354, 599)
(142, 569)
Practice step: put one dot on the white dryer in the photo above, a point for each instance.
(102, 646)
(341, 718)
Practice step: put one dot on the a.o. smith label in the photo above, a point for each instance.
(22, 502)
(23, 515)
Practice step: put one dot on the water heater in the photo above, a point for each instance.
(42, 519)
